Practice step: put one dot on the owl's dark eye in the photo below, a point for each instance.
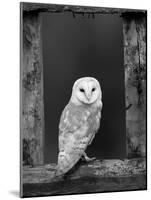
(82, 90)
(93, 89)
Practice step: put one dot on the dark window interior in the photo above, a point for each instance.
(77, 47)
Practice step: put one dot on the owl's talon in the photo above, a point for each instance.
(87, 159)
(90, 159)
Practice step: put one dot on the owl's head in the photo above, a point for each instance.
(86, 90)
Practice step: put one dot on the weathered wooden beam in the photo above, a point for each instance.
(134, 35)
(32, 111)
(97, 176)
(41, 7)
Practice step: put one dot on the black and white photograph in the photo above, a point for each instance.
(83, 99)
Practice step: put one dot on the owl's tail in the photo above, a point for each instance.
(65, 163)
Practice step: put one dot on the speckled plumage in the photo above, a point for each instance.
(78, 126)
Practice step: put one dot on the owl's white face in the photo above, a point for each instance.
(86, 90)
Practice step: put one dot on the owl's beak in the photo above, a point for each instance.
(88, 95)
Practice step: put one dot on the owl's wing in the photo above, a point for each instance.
(73, 138)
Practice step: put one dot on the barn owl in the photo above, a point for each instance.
(79, 123)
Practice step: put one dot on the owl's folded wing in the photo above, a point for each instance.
(71, 119)
(73, 138)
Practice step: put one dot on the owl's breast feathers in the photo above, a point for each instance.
(77, 128)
